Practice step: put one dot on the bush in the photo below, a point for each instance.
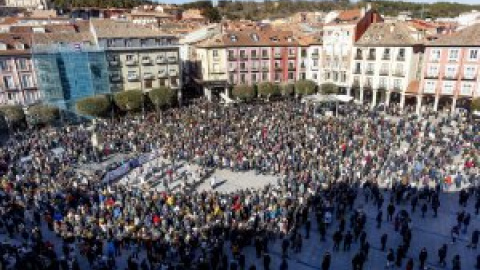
(244, 92)
(128, 101)
(13, 113)
(305, 87)
(287, 89)
(43, 114)
(475, 104)
(162, 97)
(329, 89)
(95, 106)
(268, 89)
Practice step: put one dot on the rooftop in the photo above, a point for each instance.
(121, 29)
(388, 34)
(469, 36)
(251, 37)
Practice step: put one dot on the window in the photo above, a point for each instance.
(382, 83)
(290, 76)
(384, 69)
(233, 38)
(231, 54)
(277, 77)
(303, 52)
(473, 54)
(447, 88)
(216, 67)
(231, 78)
(343, 76)
(255, 37)
(453, 55)
(469, 72)
(243, 78)
(291, 51)
(22, 64)
(401, 52)
(466, 89)
(386, 53)
(432, 71)
(130, 57)
(370, 68)
(430, 87)
(215, 53)
(8, 82)
(254, 78)
(397, 83)
(450, 71)
(254, 54)
(132, 75)
(265, 53)
(335, 76)
(231, 66)
(243, 66)
(435, 54)
(303, 76)
(4, 65)
(314, 63)
(243, 54)
(315, 76)
(264, 76)
(26, 81)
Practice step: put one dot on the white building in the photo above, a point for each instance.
(310, 58)
(386, 61)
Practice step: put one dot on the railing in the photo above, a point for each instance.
(131, 62)
(383, 73)
(133, 78)
(367, 86)
(243, 57)
(265, 56)
(469, 78)
(278, 55)
(369, 72)
(450, 77)
(254, 57)
(162, 74)
(399, 74)
(386, 57)
(115, 78)
(401, 58)
(315, 55)
(291, 68)
(357, 71)
(371, 57)
(146, 61)
(161, 60)
(430, 76)
(148, 76)
(232, 57)
(358, 57)
(172, 59)
(397, 88)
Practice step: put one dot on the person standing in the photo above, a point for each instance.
(390, 259)
(326, 261)
(442, 254)
(266, 261)
(284, 264)
(409, 264)
(383, 241)
(456, 263)
(348, 241)
(379, 219)
(390, 211)
(423, 257)
(474, 241)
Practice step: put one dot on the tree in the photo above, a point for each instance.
(95, 106)
(268, 89)
(305, 87)
(128, 101)
(329, 89)
(244, 92)
(287, 89)
(212, 14)
(475, 104)
(161, 97)
(13, 114)
(43, 114)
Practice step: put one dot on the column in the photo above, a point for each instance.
(208, 93)
(387, 98)
(454, 105)
(361, 94)
(349, 91)
(435, 103)
(402, 101)
(374, 98)
(419, 105)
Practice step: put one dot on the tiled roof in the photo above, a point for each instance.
(469, 36)
(387, 34)
(349, 15)
(66, 37)
(117, 29)
(12, 40)
(251, 37)
(305, 40)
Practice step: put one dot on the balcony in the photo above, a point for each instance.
(161, 60)
(278, 55)
(254, 69)
(450, 77)
(148, 76)
(265, 56)
(232, 69)
(172, 59)
(172, 72)
(114, 63)
(369, 72)
(291, 56)
(383, 72)
(382, 88)
(357, 71)
(397, 88)
(131, 62)
(162, 74)
(243, 57)
(243, 69)
(291, 68)
(371, 57)
(401, 58)
(265, 68)
(431, 76)
(386, 57)
(356, 83)
(358, 57)
(278, 69)
(132, 78)
(232, 57)
(146, 61)
(254, 56)
(469, 78)
(115, 78)
(367, 86)
(399, 74)
(315, 55)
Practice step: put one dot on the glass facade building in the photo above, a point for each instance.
(67, 73)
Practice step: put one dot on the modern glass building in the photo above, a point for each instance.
(67, 73)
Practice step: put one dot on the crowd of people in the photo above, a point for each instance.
(322, 164)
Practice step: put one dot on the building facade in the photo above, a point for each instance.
(339, 37)
(139, 58)
(387, 59)
(451, 70)
(18, 83)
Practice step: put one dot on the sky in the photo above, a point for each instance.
(418, 1)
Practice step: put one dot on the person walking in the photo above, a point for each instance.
(409, 264)
(379, 219)
(348, 241)
(390, 211)
(284, 264)
(383, 241)
(454, 233)
(424, 209)
(422, 258)
(456, 263)
(474, 241)
(390, 259)
(266, 261)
